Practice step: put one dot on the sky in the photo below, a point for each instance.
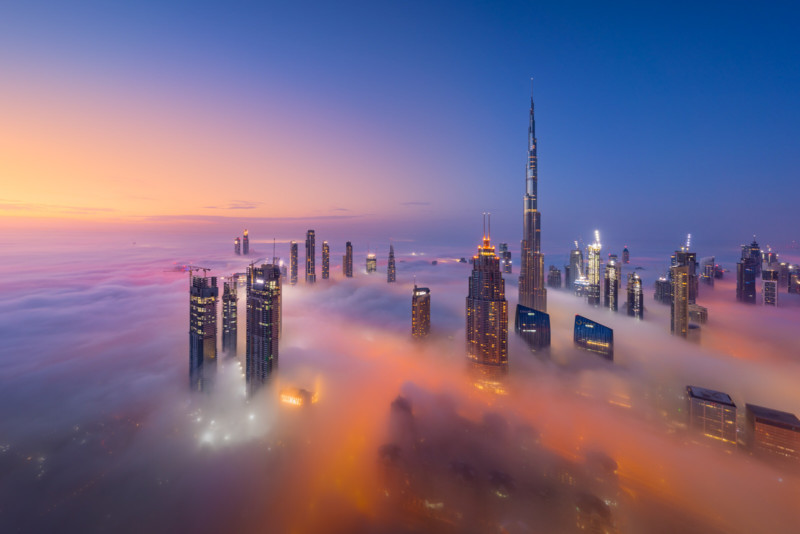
(653, 120)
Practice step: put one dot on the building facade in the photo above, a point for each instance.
(391, 268)
(611, 285)
(263, 324)
(487, 309)
(372, 263)
(533, 327)
(594, 337)
(420, 312)
(245, 243)
(311, 251)
(293, 263)
(326, 260)
(772, 432)
(769, 287)
(347, 260)
(505, 258)
(712, 413)
(635, 296)
(237, 246)
(229, 317)
(679, 312)
(203, 294)
(593, 273)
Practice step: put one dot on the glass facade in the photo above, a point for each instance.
(533, 327)
(594, 337)
(712, 413)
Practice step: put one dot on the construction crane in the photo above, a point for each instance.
(194, 268)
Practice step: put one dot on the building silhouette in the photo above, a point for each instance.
(237, 246)
(635, 296)
(203, 294)
(420, 312)
(752, 254)
(347, 260)
(311, 250)
(593, 271)
(293, 263)
(746, 272)
(769, 284)
(594, 337)
(505, 258)
(611, 277)
(229, 317)
(712, 413)
(688, 259)
(487, 309)
(263, 324)
(772, 432)
(245, 243)
(626, 255)
(708, 270)
(391, 269)
(326, 260)
(372, 263)
(576, 268)
(679, 312)
(663, 290)
(554, 277)
(533, 327)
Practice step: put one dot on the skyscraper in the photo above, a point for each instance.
(487, 309)
(311, 250)
(769, 292)
(712, 413)
(611, 287)
(420, 312)
(679, 312)
(245, 244)
(263, 324)
(533, 327)
(372, 263)
(347, 260)
(326, 260)
(229, 317)
(626, 255)
(237, 246)
(708, 270)
(576, 269)
(746, 281)
(635, 296)
(505, 258)
(683, 257)
(293, 263)
(532, 292)
(202, 331)
(663, 293)
(554, 277)
(593, 274)
(391, 270)
(594, 337)
(752, 253)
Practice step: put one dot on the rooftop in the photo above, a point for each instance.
(710, 395)
(775, 416)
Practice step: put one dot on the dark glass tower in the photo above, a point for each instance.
(391, 271)
(554, 277)
(347, 260)
(420, 312)
(746, 282)
(533, 327)
(505, 258)
(202, 332)
(311, 250)
(245, 244)
(229, 317)
(263, 324)
(594, 337)
(326, 260)
(635, 296)
(611, 287)
(293, 263)
(372, 262)
(532, 292)
(679, 311)
(237, 246)
(626, 255)
(487, 309)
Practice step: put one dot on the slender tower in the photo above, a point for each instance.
(229, 317)
(391, 271)
(245, 244)
(203, 294)
(532, 292)
(293, 262)
(347, 260)
(420, 312)
(326, 260)
(263, 324)
(311, 248)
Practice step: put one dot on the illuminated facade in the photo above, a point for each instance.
(293, 263)
(576, 268)
(229, 317)
(663, 293)
(772, 432)
(372, 263)
(202, 332)
(626, 255)
(594, 337)
(326, 260)
(347, 260)
(769, 287)
(751, 254)
(532, 292)
(311, 250)
(298, 397)
(263, 324)
(554, 277)
(245, 244)
(679, 312)
(698, 314)
(533, 327)
(391, 269)
(420, 312)
(505, 258)
(611, 286)
(684, 258)
(635, 296)
(237, 246)
(712, 413)
(593, 271)
(487, 309)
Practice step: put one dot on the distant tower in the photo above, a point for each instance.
(229, 317)
(576, 269)
(245, 244)
(593, 274)
(663, 293)
(611, 288)
(554, 277)
(708, 270)
(746, 282)
(372, 263)
(293, 263)
(635, 296)
(202, 332)
(626, 255)
(391, 271)
(263, 324)
(769, 281)
(683, 257)
(326, 260)
(680, 300)
(505, 258)
(752, 253)
(347, 260)
(311, 250)
(420, 312)
(237, 246)
(532, 292)
(487, 309)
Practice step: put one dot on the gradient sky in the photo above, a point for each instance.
(653, 120)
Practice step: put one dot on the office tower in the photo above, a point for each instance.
(372, 263)
(575, 268)
(263, 324)
(229, 317)
(772, 432)
(783, 275)
(751, 254)
(391, 269)
(505, 258)
(679, 312)
(594, 337)
(769, 291)
(554, 277)
(326, 260)
(698, 314)
(237, 246)
(708, 270)
(768, 258)
(746, 281)
(635, 296)
(533, 327)
(487, 309)
(681, 258)
(794, 281)
(611, 287)
(567, 277)
(712, 413)
(293, 263)
(420, 312)
(663, 292)
(626, 255)
(347, 260)
(311, 250)
(593, 271)
(245, 244)
(202, 332)
(532, 292)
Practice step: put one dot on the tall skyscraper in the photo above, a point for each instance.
(202, 332)
(611, 277)
(326, 260)
(487, 309)
(505, 258)
(708, 270)
(372, 263)
(311, 250)
(245, 244)
(237, 246)
(626, 255)
(554, 277)
(635, 296)
(752, 253)
(679, 312)
(769, 292)
(746, 281)
(347, 260)
(391, 270)
(712, 413)
(532, 292)
(576, 269)
(263, 324)
(663, 293)
(593, 270)
(533, 327)
(229, 317)
(420, 312)
(683, 257)
(293, 263)
(594, 337)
